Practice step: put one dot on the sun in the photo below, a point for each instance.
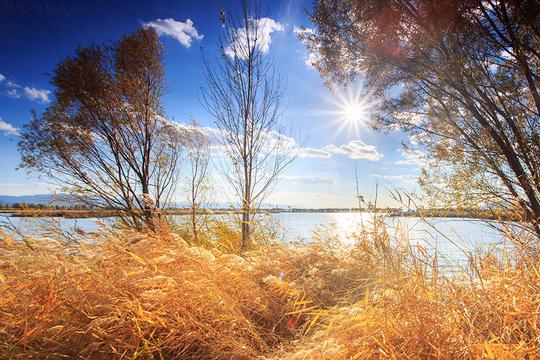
(354, 112)
(353, 108)
(348, 109)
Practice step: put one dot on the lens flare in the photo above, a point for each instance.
(354, 112)
(352, 109)
(347, 111)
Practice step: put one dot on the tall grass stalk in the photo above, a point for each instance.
(156, 297)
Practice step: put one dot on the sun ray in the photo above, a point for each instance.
(347, 110)
(351, 109)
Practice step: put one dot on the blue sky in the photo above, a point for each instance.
(34, 36)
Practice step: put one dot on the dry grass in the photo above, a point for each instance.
(136, 296)
(412, 311)
(156, 298)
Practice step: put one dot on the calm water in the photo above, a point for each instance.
(452, 237)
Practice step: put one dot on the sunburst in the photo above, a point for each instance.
(351, 109)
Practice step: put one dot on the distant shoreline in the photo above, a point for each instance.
(104, 213)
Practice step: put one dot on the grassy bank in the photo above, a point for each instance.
(159, 297)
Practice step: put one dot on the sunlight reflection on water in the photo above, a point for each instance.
(452, 237)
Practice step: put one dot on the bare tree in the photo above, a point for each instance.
(470, 94)
(104, 139)
(198, 157)
(244, 96)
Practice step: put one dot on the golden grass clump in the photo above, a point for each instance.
(224, 233)
(326, 276)
(412, 311)
(155, 298)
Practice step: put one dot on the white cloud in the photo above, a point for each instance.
(355, 149)
(278, 141)
(13, 93)
(313, 153)
(312, 59)
(272, 141)
(275, 141)
(12, 89)
(405, 178)
(184, 32)
(210, 132)
(260, 32)
(310, 179)
(8, 129)
(302, 31)
(412, 157)
(303, 34)
(40, 95)
(13, 84)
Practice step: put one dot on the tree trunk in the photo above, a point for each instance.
(148, 216)
(246, 229)
(194, 225)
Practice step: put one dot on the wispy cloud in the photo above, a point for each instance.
(14, 90)
(261, 30)
(184, 32)
(303, 34)
(8, 129)
(39, 95)
(356, 149)
(13, 84)
(310, 179)
(272, 141)
(302, 31)
(313, 153)
(13, 93)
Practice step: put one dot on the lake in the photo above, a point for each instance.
(452, 237)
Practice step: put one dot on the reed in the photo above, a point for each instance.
(489, 310)
(154, 298)
(138, 296)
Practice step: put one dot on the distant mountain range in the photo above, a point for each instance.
(38, 199)
(52, 199)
